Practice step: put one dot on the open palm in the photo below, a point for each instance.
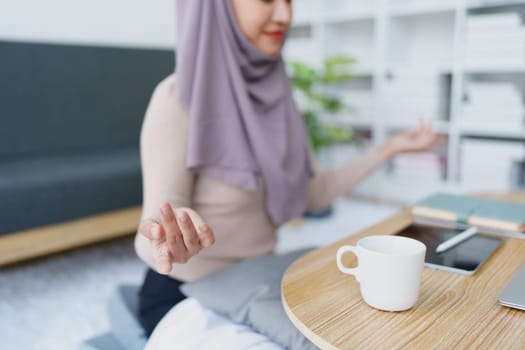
(416, 140)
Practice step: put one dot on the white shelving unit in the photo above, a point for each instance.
(412, 61)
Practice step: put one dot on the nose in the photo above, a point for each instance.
(282, 13)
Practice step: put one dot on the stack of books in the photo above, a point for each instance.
(409, 96)
(426, 168)
(491, 165)
(495, 39)
(493, 105)
(500, 217)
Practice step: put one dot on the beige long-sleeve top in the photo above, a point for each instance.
(239, 219)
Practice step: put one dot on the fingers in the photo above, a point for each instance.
(174, 239)
(428, 124)
(429, 130)
(440, 140)
(206, 235)
(420, 124)
(425, 129)
(433, 138)
(162, 256)
(189, 233)
(151, 229)
(146, 228)
(176, 236)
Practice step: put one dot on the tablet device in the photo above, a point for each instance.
(514, 294)
(464, 258)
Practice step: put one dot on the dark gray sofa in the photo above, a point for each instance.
(69, 132)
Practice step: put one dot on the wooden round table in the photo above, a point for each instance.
(453, 311)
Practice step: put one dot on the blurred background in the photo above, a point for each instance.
(459, 63)
(75, 80)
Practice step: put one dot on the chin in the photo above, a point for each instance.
(270, 47)
(272, 51)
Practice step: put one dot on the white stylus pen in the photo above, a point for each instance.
(449, 243)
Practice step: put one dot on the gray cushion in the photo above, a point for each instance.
(123, 317)
(63, 187)
(250, 293)
(126, 331)
(104, 341)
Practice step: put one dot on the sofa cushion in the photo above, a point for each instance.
(74, 98)
(44, 190)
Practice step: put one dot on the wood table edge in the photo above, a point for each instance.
(309, 334)
(401, 214)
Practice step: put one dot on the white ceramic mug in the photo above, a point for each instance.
(388, 271)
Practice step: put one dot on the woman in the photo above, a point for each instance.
(225, 158)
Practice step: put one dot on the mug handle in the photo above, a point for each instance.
(342, 268)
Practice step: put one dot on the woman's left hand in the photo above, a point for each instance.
(416, 140)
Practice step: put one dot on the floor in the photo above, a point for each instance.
(56, 302)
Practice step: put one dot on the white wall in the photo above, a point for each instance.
(125, 23)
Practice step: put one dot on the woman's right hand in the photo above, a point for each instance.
(176, 235)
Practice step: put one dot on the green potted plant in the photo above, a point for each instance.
(314, 100)
(312, 86)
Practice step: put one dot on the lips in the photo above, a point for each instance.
(277, 35)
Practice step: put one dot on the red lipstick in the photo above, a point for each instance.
(276, 35)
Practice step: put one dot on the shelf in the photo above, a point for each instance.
(422, 8)
(361, 71)
(335, 17)
(406, 190)
(302, 21)
(358, 70)
(396, 41)
(351, 121)
(441, 127)
(517, 133)
(443, 68)
(474, 5)
(495, 69)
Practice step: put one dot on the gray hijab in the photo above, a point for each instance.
(243, 122)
